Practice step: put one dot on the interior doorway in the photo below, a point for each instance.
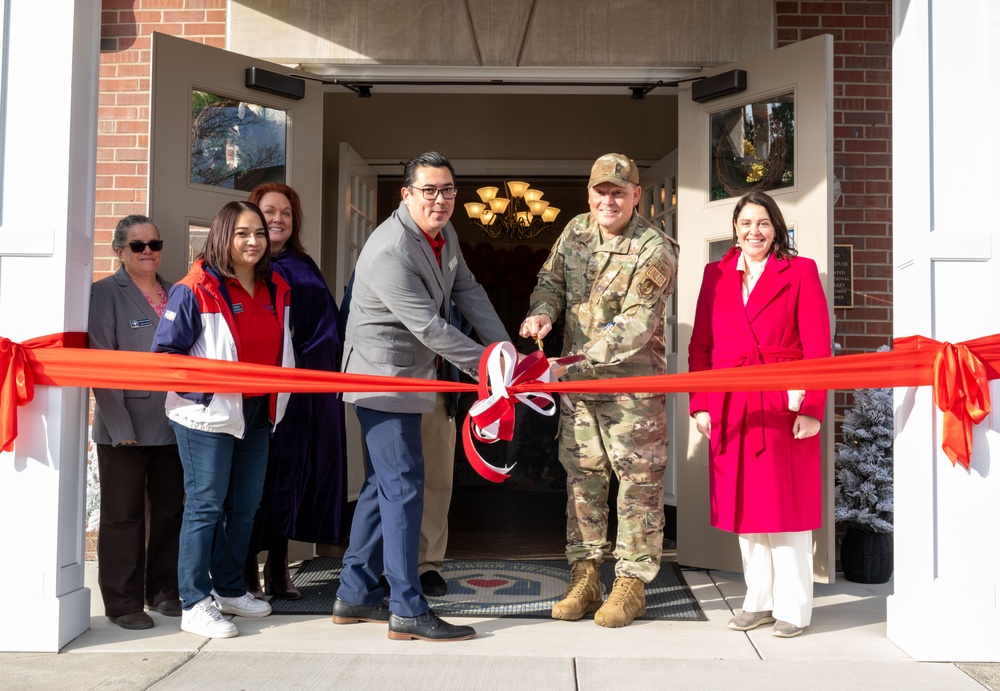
(523, 518)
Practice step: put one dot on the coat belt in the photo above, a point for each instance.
(754, 399)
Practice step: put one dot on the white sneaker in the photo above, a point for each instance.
(205, 619)
(246, 605)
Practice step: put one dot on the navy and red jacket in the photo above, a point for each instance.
(198, 321)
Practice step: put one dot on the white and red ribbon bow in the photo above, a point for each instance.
(491, 417)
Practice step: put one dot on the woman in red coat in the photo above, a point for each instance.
(761, 303)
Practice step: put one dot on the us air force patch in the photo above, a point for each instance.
(651, 279)
(654, 274)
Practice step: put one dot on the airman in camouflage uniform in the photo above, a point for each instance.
(609, 276)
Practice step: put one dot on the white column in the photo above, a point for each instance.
(48, 113)
(947, 554)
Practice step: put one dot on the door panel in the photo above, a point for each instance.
(212, 139)
(804, 72)
(659, 206)
(357, 202)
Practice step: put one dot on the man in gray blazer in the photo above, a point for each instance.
(408, 273)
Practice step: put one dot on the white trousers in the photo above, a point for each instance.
(778, 569)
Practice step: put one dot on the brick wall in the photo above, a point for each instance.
(123, 110)
(862, 162)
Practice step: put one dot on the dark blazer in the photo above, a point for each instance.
(398, 322)
(122, 319)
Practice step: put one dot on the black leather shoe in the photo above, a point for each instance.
(170, 608)
(134, 621)
(427, 627)
(432, 584)
(346, 613)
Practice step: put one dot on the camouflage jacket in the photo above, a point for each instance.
(612, 296)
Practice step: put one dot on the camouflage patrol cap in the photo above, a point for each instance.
(614, 168)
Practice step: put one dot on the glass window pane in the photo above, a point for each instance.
(197, 234)
(753, 148)
(236, 144)
(718, 248)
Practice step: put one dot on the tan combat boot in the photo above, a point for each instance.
(626, 602)
(583, 594)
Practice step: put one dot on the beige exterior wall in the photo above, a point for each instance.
(503, 33)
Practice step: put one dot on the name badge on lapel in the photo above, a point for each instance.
(453, 263)
(238, 308)
(139, 323)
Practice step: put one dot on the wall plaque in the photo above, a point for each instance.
(843, 276)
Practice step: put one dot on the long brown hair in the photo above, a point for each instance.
(294, 241)
(782, 246)
(218, 250)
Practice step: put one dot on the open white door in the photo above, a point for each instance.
(212, 139)
(356, 221)
(659, 207)
(356, 203)
(725, 143)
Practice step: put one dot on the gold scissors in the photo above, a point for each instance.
(539, 342)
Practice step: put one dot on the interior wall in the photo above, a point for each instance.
(493, 127)
(501, 126)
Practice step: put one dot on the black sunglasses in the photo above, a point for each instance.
(138, 246)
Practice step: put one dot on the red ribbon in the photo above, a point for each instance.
(958, 373)
(961, 391)
(491, 417)
(18, 387)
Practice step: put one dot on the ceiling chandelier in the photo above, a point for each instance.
(520, 216)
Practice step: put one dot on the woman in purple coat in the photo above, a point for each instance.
(307, 473)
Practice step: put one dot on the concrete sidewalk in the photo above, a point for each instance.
(845, 648)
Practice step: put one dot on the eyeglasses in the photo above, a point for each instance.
(431, 193)
(138, 246)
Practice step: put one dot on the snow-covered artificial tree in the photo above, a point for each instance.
(863, 494)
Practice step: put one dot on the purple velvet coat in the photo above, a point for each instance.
(307, 469)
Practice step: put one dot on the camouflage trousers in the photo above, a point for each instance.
(629, 438)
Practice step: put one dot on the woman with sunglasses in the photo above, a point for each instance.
(229, 307)
(136, 449)
(306, 484)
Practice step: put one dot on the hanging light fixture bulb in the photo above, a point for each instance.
(521, 215)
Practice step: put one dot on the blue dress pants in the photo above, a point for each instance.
(385, 534)
(223, 483)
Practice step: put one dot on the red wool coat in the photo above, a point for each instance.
(761, 479)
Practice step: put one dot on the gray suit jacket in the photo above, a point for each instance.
(398, 323)
(122, 319)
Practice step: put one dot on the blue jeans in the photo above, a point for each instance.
(385, 534)
(223, 481)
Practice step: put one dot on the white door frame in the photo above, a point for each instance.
(48, 178)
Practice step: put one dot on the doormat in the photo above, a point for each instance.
(499, 588)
